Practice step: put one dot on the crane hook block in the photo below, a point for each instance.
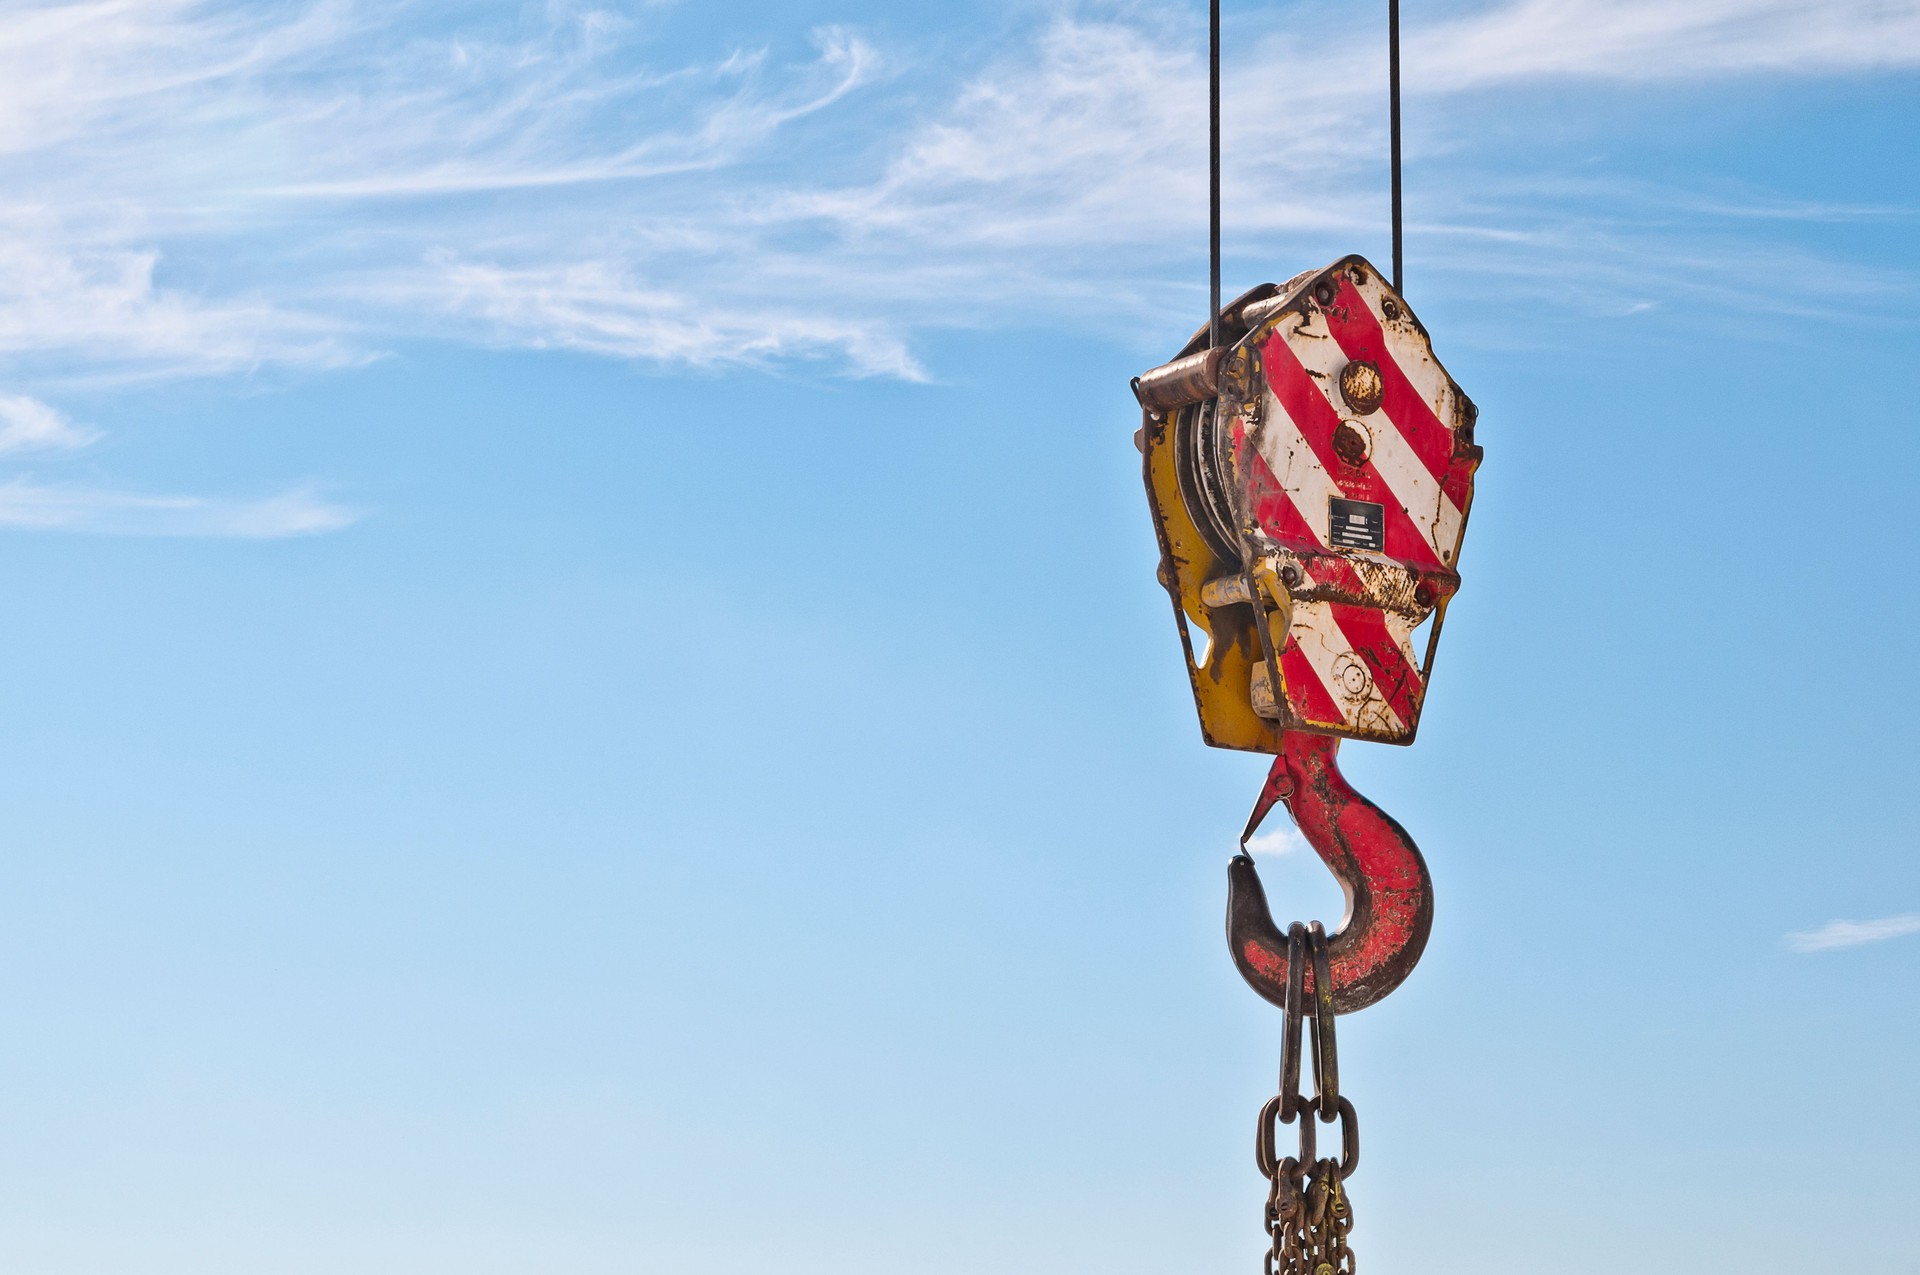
(1310, 481)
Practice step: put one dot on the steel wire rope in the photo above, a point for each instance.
(1213, 160)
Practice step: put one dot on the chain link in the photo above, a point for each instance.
(1308, 1213)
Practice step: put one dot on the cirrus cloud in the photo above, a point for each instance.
(207, 186)
(1835, 935)
(32, 506)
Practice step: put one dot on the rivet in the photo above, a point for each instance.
(1390, 308)
(1323, 293)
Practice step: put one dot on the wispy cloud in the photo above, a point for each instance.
(69, 299)
(27, 424)
(598, 306)
(204, 186)
(210, 186)
(1841, 934)
(1279, 842)
(532, 116)
(1072, 165)
(29, 506)
(1639, 40)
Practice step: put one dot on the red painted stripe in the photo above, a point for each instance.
(1335, 573)
(1357, 330)
(1302, 399)
(1272, 506)
(1398, 681)
(1305, 692)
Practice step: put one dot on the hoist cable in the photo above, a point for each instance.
(1213, 177)
(1393, 110)
(1213, 159)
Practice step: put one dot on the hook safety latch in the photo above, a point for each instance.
(1389, 891)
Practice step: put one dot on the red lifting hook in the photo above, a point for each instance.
(1389, 892)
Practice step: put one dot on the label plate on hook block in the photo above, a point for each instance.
(1356, 524)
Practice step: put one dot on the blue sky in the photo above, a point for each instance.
(588, 693)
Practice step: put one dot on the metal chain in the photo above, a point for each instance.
(1308, 1213)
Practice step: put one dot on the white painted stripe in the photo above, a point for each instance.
(1400, 628)
(1413, 354)
(1292, 460)
(1324, 644)
(1417, 490)
(1313, 344)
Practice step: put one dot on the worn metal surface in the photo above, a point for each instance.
(1189, 379)
(1388, 889)
(1192, 555)
(1308, 1215)
(1363, 388)
(1337, 456)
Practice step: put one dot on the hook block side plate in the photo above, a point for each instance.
(1334, 454)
